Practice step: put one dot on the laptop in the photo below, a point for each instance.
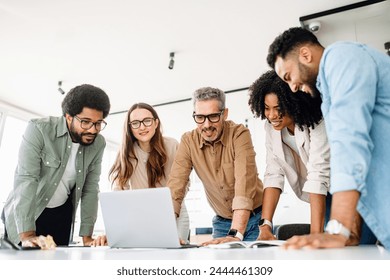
(142, 218)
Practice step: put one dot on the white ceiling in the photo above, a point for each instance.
(123, 46)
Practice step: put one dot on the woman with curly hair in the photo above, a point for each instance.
(145, 159)
(297, 148)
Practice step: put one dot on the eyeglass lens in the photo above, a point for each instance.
(84, 124)
(213, 118)
(147, 122)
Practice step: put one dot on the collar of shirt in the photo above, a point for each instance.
(62, 127)
(222, 138)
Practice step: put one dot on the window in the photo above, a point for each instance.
(12, 130)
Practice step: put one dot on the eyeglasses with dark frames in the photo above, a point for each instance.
(213, 118)
(84, 124)
(146, 121)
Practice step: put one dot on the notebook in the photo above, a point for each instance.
(142, 218)
(247, 244)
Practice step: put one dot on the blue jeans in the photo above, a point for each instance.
(221, 227)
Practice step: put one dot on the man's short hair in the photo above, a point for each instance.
(85, 96)
(209, 93)
(288, 41)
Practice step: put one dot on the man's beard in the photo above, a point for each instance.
(212, 129)
(315, 92)
(78, 137)
(309, 77)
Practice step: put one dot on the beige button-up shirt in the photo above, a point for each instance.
(227, 169)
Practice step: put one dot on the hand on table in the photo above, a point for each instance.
(315, 241)
(266, 234)
(220, 240)
(99, 241)
(44, 242)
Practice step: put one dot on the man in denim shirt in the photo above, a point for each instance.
(354, 82)
(59, 164)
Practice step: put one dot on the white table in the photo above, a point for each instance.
(363, 252)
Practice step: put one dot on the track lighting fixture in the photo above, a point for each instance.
(171, 61)
(60, 87)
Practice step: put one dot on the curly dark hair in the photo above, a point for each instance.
(85, 96)
(304, 109)
(288, 41)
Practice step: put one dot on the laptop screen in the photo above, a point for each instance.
(142, 218)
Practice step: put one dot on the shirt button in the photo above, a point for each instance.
(68, 147)
(46, 199)
(79, 171)
(78, 188)
(55, 184)
(80, 152)
(47, 162)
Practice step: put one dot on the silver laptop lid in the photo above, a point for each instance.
(142, 218)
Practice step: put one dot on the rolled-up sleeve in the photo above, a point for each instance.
(89, 199)
(180, 172)
(26, 178)
(274, 174)
(245, 170)
(348, 105)
(318, 165)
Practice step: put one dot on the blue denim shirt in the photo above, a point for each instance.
(42, 159)
(354, 81)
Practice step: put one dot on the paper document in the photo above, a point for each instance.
(247, 244)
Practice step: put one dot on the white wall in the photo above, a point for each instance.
(369, 25)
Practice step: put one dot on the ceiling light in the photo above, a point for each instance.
(387, 48)
(171, 61)
(60, 87)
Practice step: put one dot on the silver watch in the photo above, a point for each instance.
(335, 227)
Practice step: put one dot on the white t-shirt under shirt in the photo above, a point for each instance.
(67, 182)
(289, 140)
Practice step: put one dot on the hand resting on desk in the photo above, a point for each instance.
(220, 240)
(45, 242)
(99, 241)
(319, 240)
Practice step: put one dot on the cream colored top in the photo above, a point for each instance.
(139, 178)
(307, 171)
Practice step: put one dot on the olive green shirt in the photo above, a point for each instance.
(227, 169)
(43, 155)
